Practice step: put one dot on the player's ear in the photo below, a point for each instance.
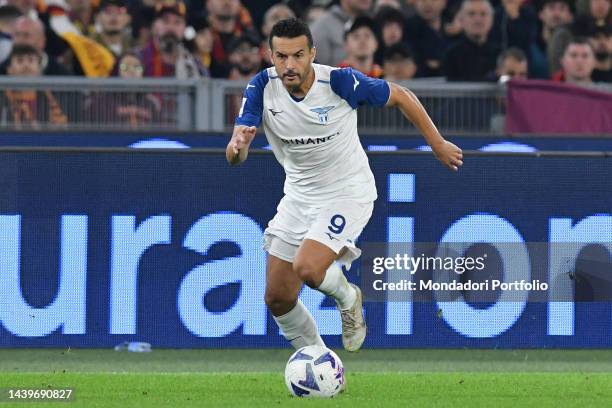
(271, 55)
(313, 54)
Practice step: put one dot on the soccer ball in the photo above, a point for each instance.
(314, 371)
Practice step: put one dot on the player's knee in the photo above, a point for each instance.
(309, 274)
(279, 302)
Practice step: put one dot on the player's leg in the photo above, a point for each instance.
(332, 238)
(315, 265)
(282, 289)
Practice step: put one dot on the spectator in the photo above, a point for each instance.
(300, 7)
(246, 61)
(31, 32)
(512, 63)
(390, 26)
(313, 13)
(164, 55)
(360, 45)
(601, 41)
(228, 20)
(244, 57)
(452, 25)
(26, 7)
(81, 14)
(201, 47)
(393, 4)
(328, 31)
(405, 7)
(8, 17)
(597, 15)
(515, 25)
(578, 63)
(553, 15)
(112, 22)
(599, 34)
(24, 60)
(398, 63)
(132, 109)
(600, 11)
(129, 66)
(425, 32)
(76, 52)
(25, 108)
(143, 14)
(473, 57)
(274, 14)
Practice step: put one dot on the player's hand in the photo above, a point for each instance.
(243, 137)
(449, 154)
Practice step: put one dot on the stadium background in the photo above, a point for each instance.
(96, 235)
(108, 245)
(105, 240)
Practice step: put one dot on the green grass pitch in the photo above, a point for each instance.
(254, 378)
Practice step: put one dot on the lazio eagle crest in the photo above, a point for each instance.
(322, 112)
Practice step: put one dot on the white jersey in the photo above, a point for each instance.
(315, 139)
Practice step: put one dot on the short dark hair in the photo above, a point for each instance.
(388, 14)
(577, 40)
(9, 13)
(512, 52)
(291, 28)
(543, 3)
(246, 37)
(23, 49)
(399, 51)
(360, 22)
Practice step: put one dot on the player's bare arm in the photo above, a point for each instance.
(410, 106)
(237, 149)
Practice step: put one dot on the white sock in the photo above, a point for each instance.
(335, 285)
(299, 327)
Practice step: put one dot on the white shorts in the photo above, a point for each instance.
(336, 225)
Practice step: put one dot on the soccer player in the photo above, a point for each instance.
(308, 112)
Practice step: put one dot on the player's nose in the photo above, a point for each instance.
(290, 63)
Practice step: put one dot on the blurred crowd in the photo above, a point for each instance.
(460, 40)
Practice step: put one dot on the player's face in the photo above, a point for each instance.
(292, 59)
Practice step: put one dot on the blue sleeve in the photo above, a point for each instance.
(251, 108)
(358, 89)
